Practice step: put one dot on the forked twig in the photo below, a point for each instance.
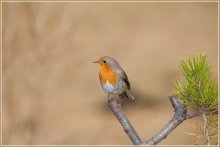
(179, 116)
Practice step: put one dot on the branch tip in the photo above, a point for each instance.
(175, 103)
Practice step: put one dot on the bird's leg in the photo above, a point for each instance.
(121, 99)
(108, 97)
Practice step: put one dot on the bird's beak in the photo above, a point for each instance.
(96, 61)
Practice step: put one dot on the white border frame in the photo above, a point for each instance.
(101, 1)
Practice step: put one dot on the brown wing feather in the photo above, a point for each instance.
(125, 78)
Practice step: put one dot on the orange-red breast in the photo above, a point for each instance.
(113, 79)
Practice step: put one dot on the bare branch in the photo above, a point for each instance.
(193, 115)
(179, 116)
(128, 128)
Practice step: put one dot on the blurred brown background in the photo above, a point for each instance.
(51, 90)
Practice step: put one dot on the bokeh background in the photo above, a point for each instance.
(51, 90)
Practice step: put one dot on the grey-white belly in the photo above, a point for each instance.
(119, 88)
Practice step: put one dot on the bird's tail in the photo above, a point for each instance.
(127, 94)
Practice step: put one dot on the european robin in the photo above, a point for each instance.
(113, 79)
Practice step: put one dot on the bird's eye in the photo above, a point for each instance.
(104, 61)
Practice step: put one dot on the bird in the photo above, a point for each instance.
(113, 79)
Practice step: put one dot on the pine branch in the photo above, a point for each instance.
(196, 89)
(179, 116)
(127, 126)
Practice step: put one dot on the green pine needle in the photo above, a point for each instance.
(197, 88)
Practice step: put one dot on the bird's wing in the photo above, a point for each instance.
(122, 75)
(125, 79)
